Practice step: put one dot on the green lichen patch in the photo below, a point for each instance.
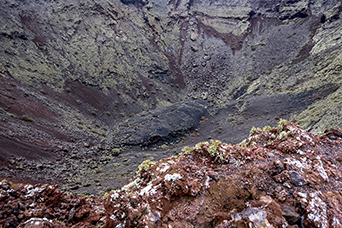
(199, 145)
(144, 166)
(283, 134)
(267, 128)
(186, 150)
(243, 143)
(132, 184)
(26, 118)
(281, 124)
(214, 144)
(252, 132)
(106, 196)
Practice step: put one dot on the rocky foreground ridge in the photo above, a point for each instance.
(277, 177)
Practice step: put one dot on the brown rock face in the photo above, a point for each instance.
(44, 206)
(280, 177)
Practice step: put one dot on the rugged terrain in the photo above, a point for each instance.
(277, 177)
(90, 89)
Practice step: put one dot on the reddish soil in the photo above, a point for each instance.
(280, 177)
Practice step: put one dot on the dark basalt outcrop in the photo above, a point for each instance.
(135, 2)
(277, 177)
(165, 124)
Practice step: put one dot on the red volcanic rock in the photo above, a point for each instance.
(45, 206)
(281, 177)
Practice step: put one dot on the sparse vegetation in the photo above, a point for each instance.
(186, 150)
(213, 147)
(281, 124)
(26, 118)
(10, 96)
(252, 132)
(267, 128)
(144, 166)
(283, 134)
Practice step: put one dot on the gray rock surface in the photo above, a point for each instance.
(165, 124)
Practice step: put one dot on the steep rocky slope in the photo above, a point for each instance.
(90, 89)
(277, 177)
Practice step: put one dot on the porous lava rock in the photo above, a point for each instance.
(29, 206)
(277, 177)
(162, 124)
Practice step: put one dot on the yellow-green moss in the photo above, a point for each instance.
(9, 114)
(163, 147)
(132, 184)
(254, 129)
(106, 196)
(281, 124)
(283, 134)
(213, 147)
(186, 150)
(26, 118)
(59, 222)
(116, 150)
(253, 143)
(243, 143)
(267, 128)
(199, 145)
(144, 166)
(321, 134)
(252, 132)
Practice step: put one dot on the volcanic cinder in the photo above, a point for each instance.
(91, 89)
